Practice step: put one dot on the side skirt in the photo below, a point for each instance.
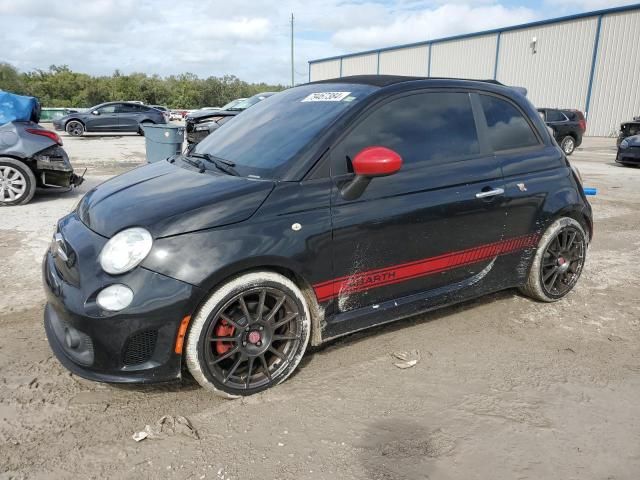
(392, 310)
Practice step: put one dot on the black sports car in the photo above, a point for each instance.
(332, 207)
(629, 151)
(201, 123)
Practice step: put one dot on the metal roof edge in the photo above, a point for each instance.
(538, 23)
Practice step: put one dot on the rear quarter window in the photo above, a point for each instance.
(507, 127)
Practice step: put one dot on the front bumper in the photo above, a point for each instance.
(628, 156)
(135, 345)
(57, 125)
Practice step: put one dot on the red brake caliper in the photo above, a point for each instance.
(223, 329)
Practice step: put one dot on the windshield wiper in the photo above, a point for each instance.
(195, 163)
(221, 164)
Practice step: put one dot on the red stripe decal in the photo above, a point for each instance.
(399, 273)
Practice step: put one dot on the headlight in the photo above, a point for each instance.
(205, 126)
(115, 298)
(624, 144)
(125, 250)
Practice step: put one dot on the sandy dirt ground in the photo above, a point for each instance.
(506, 388)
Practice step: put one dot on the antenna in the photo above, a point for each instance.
(292, 72)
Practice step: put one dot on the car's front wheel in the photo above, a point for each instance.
(74, 128)
(558, 262)
(17, 182)
(249, 335)
(568, 144)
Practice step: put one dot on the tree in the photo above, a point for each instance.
(59, 86)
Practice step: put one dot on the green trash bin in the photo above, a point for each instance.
(162, 140)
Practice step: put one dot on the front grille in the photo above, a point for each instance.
(140, 347)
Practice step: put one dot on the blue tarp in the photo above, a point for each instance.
(17, 108)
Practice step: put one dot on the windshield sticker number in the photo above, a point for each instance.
(326, 97)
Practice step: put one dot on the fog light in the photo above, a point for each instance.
(115, 297)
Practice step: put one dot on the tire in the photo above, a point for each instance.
(17, 183)
(141, 127)
(75, 128)
(246, 363)
(568, 144)
(558, 261)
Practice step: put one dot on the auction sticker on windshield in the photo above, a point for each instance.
(326, 97)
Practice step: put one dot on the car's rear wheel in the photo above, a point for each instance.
(74, 128)
(558, 262)
(141, 127)
(17, 182)
(568, 144)
(249, 335)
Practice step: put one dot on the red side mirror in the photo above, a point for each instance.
(376, 162)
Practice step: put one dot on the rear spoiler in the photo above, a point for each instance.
(521, 90)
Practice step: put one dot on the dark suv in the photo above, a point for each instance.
(110, 117)
(332, 207)
(568, 127)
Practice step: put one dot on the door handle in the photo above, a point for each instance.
(490, 193)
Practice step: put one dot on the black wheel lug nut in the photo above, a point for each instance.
(259, 343)
(244, 344)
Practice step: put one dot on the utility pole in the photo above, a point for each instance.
(292, 70)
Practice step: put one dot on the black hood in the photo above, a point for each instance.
(201, 115)
(168, 199)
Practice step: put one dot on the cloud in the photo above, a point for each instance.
(247, 38)
(587, 5)
(428, 24)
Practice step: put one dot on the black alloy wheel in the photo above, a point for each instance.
(562, 261)
(252, 338)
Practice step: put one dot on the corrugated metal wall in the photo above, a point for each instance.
(324, 70)
(467, 58)
(616, 82)
(412, 61)
(360, 65)
(557, 75)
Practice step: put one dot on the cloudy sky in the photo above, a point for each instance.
(247, 38)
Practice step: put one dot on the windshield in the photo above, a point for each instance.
(232, 103)
(248, 102)
(263, 139)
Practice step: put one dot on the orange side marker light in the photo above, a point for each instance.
(182, 331)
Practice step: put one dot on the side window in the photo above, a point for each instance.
(508, 128)
(108, 108)
(425, 127)
(126, 108)
(555, 116)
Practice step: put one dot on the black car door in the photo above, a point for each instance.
(128, 117)
(437, 222)
(532, 171)
(102, 119)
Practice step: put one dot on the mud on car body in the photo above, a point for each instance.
(325, 209)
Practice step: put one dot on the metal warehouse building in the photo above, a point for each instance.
(589, 61)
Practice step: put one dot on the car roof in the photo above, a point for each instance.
(387, 80)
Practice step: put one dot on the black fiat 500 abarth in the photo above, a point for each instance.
(325, 209)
